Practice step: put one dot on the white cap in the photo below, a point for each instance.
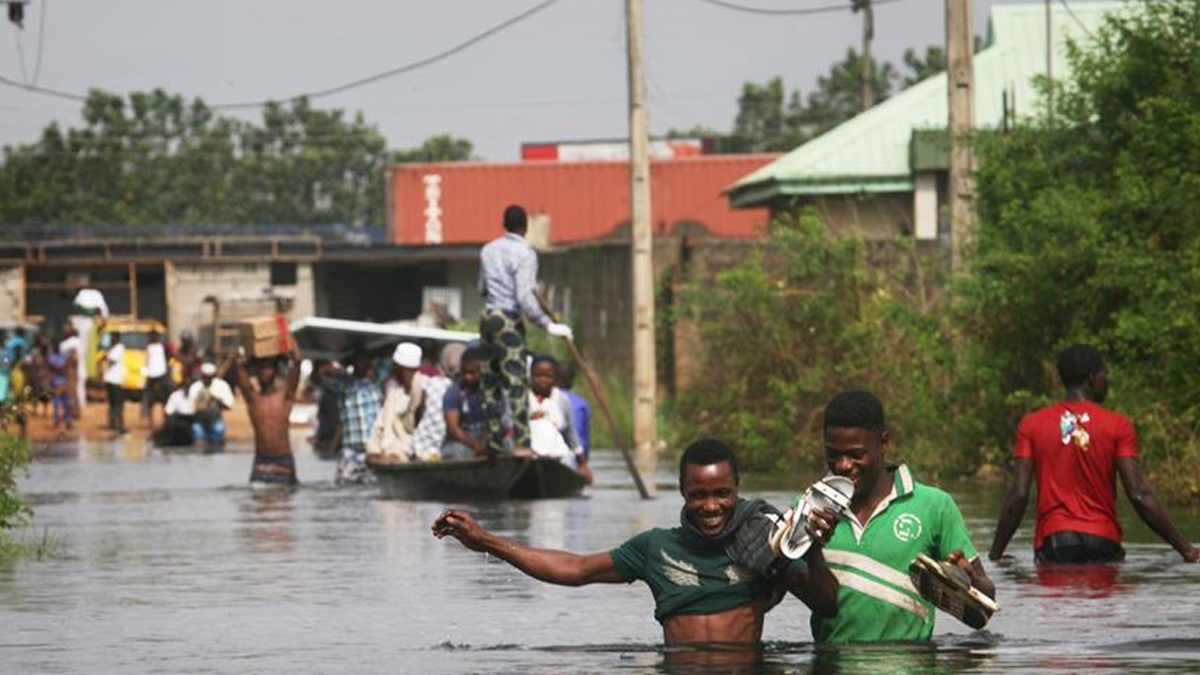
(208, 369)
(407, 355)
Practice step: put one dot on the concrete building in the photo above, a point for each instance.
(884, 171)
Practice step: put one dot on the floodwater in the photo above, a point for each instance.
(174, 565)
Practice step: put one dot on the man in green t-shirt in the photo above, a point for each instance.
(891, 520)
(700, 594)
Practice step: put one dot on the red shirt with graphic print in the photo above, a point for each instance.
(1074, 446)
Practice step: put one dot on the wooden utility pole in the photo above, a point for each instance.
(645, 385)
(1049, 67)
(961, 84)
(867, 65)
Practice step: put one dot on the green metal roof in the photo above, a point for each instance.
(871, 152)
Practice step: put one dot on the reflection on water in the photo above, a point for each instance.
(174, 560)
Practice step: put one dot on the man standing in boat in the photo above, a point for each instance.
(507, 281)
(269, 408)
(701, 595)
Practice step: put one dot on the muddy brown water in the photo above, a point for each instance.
(174, 565)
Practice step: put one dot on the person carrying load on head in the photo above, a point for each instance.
(507, 281)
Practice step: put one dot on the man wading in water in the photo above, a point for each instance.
(700, 595)
(269, 408)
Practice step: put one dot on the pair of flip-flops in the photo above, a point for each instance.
(949, 588)
(790, 537)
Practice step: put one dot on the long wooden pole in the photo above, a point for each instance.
(961, 82)
(867, 67)
(602, 401)
(645, 385)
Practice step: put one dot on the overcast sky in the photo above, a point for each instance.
(558, 75)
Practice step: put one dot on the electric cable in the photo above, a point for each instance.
(1079, 23)
(790, 12)
(354, 84)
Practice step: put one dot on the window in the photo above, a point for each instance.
(283, 274)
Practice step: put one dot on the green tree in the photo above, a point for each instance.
(920, 66)
(766, 122)
(810, 313)
(155, 158)
(1089, 231)
(439, 148)
(838, 94)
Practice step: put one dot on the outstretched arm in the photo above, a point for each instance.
(1013, 510)
(1138, 489)
(555, 567)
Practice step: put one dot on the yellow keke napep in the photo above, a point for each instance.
(135, 335)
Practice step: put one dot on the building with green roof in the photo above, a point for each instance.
(885, 170)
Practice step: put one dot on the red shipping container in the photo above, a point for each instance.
(462, 202)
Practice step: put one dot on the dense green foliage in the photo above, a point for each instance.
(1089, 231)
(811, 314)
(157, 159)
(14, 458)
(772, 119)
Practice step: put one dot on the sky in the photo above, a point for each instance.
(558, 74)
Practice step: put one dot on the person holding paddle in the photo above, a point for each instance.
(701, 595)
(508, 270)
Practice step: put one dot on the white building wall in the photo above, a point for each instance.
(925, 206)
(12, 294)
(189, 283)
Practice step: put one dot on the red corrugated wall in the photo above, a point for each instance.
(583, 200)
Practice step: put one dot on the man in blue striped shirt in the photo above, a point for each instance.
(507, 279)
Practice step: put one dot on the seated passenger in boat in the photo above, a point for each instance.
(551, 433)
(391, 438)
(431, 430)
(463, 407)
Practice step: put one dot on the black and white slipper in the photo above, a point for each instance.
(949, 588)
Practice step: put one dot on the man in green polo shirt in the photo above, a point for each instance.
(700, 594)
(892, 518)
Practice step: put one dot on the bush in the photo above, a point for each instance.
(813, 313)
(14, 458)
(1089, 231)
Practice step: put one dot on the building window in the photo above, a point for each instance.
(283, 274)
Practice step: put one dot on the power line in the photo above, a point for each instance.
(1079, 23)
(790, 12)
(430, 60)
(354, 84)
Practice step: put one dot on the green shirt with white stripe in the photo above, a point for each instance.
(870, 560)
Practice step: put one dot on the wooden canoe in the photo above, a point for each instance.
(506, 477)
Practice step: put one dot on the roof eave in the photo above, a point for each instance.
(762, 193)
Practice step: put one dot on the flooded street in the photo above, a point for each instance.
(173, 565)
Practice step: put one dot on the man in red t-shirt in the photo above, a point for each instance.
(1077, 447)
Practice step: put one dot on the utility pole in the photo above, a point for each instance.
(645, 385)
(1049, 67)
(867, 65)
(961, 85)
